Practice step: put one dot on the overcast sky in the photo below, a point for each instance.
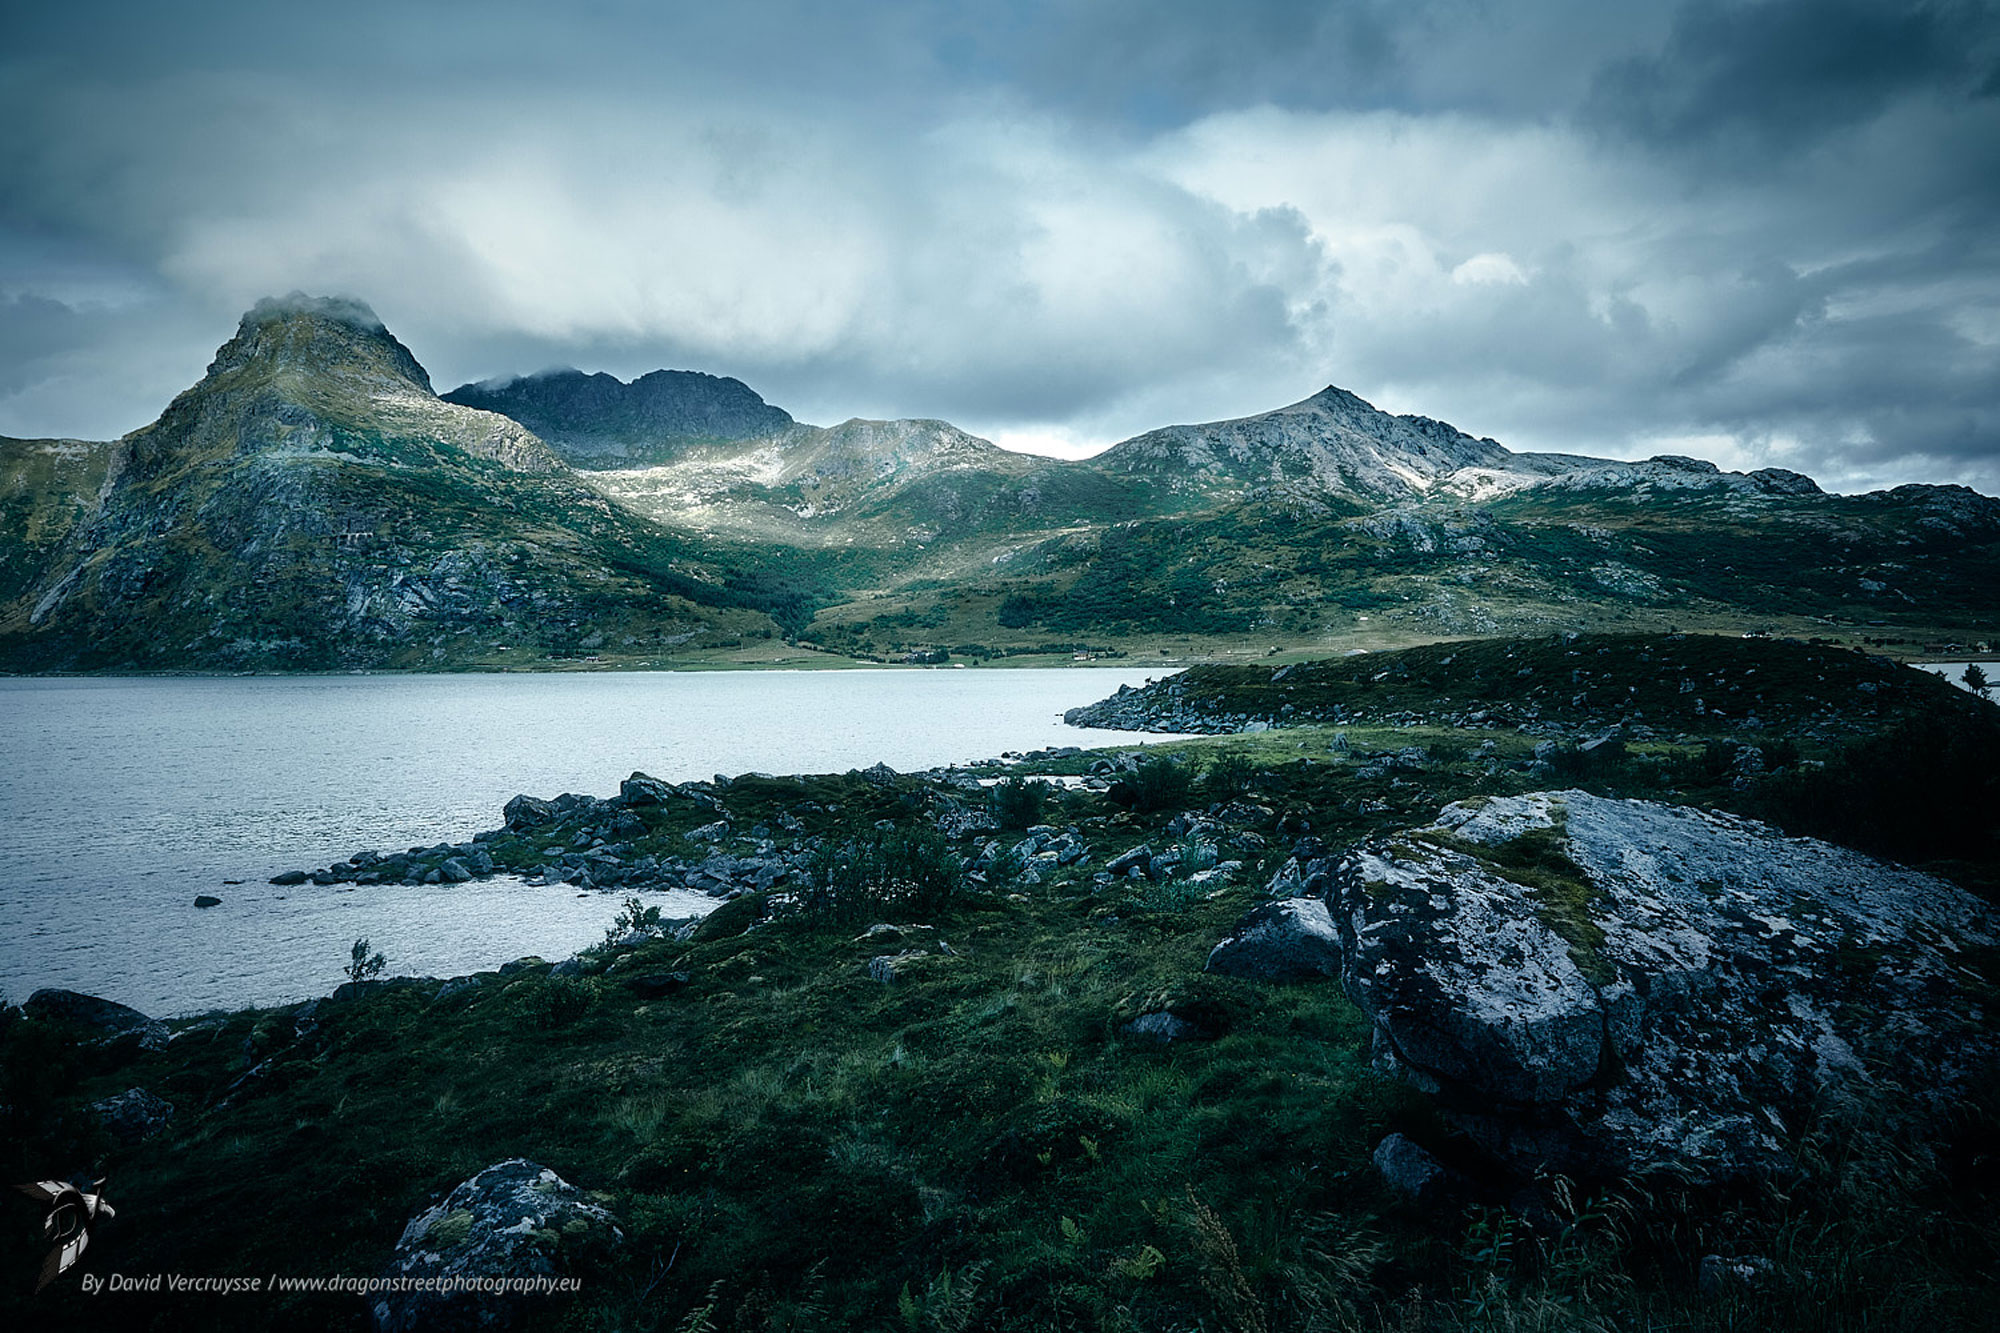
(1762, 233)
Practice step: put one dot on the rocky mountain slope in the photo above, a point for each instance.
(599, 421)
(1333, 442)
(311, 503)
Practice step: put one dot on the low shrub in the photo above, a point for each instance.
(909, 870)
(556, 1002)
(1018, 803)
(1159, 783)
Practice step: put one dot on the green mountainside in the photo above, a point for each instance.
(312, 504)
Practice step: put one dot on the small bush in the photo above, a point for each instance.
(557, 1002)
(1195, 857)
(1228, 774)
(911, 870)
(1159, 783)
(1018, 803)
(633, 918)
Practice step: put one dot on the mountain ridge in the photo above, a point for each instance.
(311, 501)
(596, 420)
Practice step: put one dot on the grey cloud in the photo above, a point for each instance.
(1763, 222)
(1750, 80)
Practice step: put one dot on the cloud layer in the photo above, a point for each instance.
(1760, 232)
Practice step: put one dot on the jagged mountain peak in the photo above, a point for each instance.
(349, 310)
(597, 420)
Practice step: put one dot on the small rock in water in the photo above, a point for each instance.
(207, 900)
(289, 877)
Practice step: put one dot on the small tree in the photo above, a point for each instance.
(1975, 679)
(633, 918)
(360, 965)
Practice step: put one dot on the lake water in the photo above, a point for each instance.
(1955, 673)
(124, 798)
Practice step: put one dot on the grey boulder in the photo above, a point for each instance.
(133, 1115)
(639, 789)
(1411, 1172)
(1292, 939)
(528, 812)
(1166, 1027)
(117, 1024)
(517, 1221)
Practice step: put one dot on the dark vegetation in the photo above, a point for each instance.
(1662, 684)
(794, 1145)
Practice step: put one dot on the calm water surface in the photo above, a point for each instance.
(124, 798)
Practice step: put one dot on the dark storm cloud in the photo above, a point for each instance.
(1757, 230)
(1776, 75)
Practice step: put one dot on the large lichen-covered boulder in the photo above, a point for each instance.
(503, 1241)
(1595, 985)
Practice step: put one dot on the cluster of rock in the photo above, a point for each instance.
(1043, 851)
(1602, 986)
(133, 1115)
(600, 855)
(445, 863)
(594, 843)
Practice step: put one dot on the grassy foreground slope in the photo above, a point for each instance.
(980, 1144)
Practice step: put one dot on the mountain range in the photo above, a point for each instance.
(312, 503)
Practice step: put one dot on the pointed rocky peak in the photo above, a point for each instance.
(1333, 442)
(317, 335)
(315, 377)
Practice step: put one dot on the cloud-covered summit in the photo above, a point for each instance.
(1757, 232)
